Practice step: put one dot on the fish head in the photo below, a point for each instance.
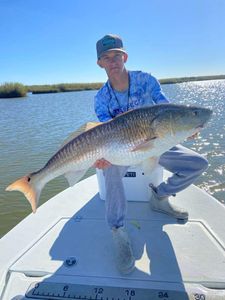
(179, 121)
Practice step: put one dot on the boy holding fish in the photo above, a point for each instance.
(126, 90)
(148, 132)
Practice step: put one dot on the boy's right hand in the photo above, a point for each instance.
(102, 164)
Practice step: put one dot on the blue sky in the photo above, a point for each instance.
(53, 41)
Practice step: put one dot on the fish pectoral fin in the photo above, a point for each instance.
(74, 176)
(145, 145)
(79, 131)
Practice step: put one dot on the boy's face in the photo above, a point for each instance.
(113, 62)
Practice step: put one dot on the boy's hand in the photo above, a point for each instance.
(102, 164)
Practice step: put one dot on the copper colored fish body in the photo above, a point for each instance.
(131, 138)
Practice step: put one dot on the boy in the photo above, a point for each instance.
(123, 91)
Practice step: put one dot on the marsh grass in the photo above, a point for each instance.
(71, 87)
(63, 87)
(189, 79)
(12, 90)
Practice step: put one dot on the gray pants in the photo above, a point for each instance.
(185, 164)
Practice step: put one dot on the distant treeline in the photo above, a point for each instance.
(12, 90)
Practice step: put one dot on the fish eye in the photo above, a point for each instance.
(195, 112)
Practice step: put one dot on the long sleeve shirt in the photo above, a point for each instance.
(144, 90)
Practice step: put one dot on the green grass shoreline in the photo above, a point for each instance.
(12, 90)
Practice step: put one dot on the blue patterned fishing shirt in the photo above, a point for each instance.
(144, 90)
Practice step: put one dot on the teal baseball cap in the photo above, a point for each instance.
(109, 42)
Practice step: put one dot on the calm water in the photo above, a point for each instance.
(33, 128)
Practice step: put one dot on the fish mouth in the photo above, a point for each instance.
(199, 127)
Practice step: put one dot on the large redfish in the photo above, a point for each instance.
(131, 138)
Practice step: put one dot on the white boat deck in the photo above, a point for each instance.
(66, 248)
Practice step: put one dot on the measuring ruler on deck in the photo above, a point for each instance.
(50, 290)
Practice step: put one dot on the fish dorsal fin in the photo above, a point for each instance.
(145, 145)
(90, 125)
(80, 130)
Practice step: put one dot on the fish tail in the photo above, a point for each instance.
(31, 191)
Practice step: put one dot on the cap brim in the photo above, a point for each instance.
(113, 49)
